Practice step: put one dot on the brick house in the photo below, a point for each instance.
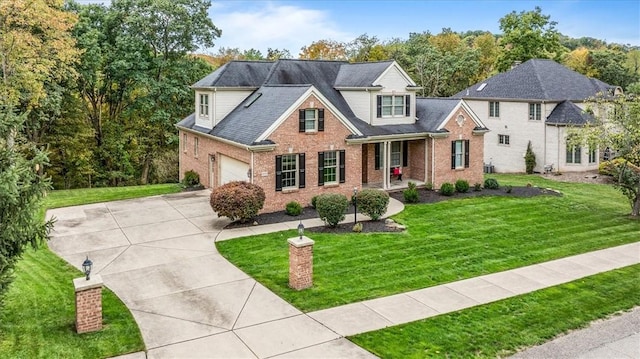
(537, 101)
(300, 128)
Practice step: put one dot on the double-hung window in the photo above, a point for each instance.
(535, 112)
(396, 153)
(331, 167)
(503, 139)
(184, 143)
(204, 105)
(574, 152)
(494, 109)
(290, 172)
(311, 120)
(593, 152)
(195, 147)
(393, 105)
(459, 154)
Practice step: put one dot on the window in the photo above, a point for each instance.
(459, 154)
(393, 105)
(204, 105)
(503, 139)
(494, 109)
(593, 153)
(195, 147)
(331, 167)
(396, 153)
(290, 171)
(535, 112)
(574, 152)
(184, 143)
(311, 120)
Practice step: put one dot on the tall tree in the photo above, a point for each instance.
(275, 54)
(488, 51)
(324, 50)
(34, 42)
(609, 66)
(528, 35)
(579, 60)
(361, 49)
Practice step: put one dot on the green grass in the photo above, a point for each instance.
(500, 329)
(445, 242)
(38, 318)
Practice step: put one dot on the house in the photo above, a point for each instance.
(300, 128)
(536, 101)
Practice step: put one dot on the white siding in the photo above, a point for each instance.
(393, 80)
(360, 103)
(584, 164)
(226, 101)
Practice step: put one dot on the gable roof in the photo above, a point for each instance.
(237, 74)
(361, 74)
(537, 79)
(567, 113)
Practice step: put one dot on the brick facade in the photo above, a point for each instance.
(88, 305)
(300, 263)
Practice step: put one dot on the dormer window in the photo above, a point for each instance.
(394, 105)
(311, 120)
(204, 105)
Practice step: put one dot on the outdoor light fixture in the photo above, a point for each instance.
(355, 205)
(300, 229)
(86, 267)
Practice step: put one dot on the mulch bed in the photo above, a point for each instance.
(379, 226)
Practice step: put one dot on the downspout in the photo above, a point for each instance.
(433, 162)
(251, 169)
(426, 159)
(558, 139)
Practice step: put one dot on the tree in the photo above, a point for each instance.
(617, 127)
(361, 49)
(35, 45)
(609, 66)
(529, 159)
(323, 50)
(488, 51)
(528, 35)
(579, 60)
(275, 54)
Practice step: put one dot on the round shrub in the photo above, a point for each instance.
(447, 189)
(462, 186)
(491, 183)
(313, 201)
(293, 208)
(331, 208)
(373, 203)
(237, 200)
(411, 193)
(191, 179)
(477, 187)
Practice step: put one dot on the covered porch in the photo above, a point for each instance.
(390, 164)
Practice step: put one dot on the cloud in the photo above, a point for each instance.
(261, 25)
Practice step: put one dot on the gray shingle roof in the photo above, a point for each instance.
(567, 113)
(237, 74)
(537, 79)
(360, 74)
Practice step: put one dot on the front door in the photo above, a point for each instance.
(365, 162)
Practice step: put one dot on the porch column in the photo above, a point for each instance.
(386, 181)
(426, 160)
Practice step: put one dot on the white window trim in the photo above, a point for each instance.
(460, 154)
(593, 155)
(336, 167)
(184, 143)
(295, 171)
(195, 147)
(393, 162)
(315, 120)
(496, 106)
(573, 150)
(504, 140)
(203, 110)
(392, 106)
(537, 112)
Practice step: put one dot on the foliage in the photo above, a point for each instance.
(237, 200)
(373, 203)
(528, 35)
(357, 228)
(508, 188)
(314, 200)
(609, 66)
(410, 194)
(491, 183)
(323, 50)
(529, 159)
(462, 186)
(293, 208)
(462, 238)
(331, 208)
(477, 187)
(428, 186)
(191, 179)
(609, 168)
(447, 189)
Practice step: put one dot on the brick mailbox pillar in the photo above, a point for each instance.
(88, 304)
(300, 262)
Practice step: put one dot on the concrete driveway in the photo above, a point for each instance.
(158, 255)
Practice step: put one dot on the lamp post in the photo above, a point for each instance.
(300, 229)
(86, 267)
(355, 205)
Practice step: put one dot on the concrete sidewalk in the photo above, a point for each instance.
(157, 254)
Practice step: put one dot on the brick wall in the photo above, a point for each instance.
(300, 264)
(89, 310)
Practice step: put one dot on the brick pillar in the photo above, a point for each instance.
(88, 304)
(300, 262)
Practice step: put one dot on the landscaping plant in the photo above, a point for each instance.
(293, 208)
(237, 200)
(373, 203)
(529, 159)
(411, 193)
(477, 187)
(447, 189)
(331, 208)
(462, 186)
(191, 179)
(491, 183)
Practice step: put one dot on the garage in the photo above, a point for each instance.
(232, 170)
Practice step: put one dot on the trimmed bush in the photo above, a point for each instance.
(293, 208)
(491, 183)
(462, 186)
(508, 189)
(477, 187)
(529, 159)
(411, 193)
(313, 201)
(357, 228)
(373, 203)
(610, 168)
(447, 189)
(191, 179)
(428, 186)
(331, 208)
(237, 200)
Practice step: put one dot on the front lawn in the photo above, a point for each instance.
(501, 328)
(38, 317)
(445, 242)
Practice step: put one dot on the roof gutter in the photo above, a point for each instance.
(215, 88)
(251, 148)
(406, 136)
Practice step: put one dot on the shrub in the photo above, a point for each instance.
(237, 200)
(609, 168)
(508, 189)
(410, 194)
(293, 208)
(331, 208)
(529, 159)
(447, 189)
(313, 201)
(491, 183)
(428, 186)
(191, 179)
(373, 203)
(477, 187)
(462, 186)
(357, 228)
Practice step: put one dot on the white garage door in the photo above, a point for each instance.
(232, 170)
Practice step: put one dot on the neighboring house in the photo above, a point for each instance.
(302, 128)
(536, 101)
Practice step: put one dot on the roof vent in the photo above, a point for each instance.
(252, 99)
(515, 64)
(481, 87)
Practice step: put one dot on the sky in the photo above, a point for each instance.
(262, 24)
